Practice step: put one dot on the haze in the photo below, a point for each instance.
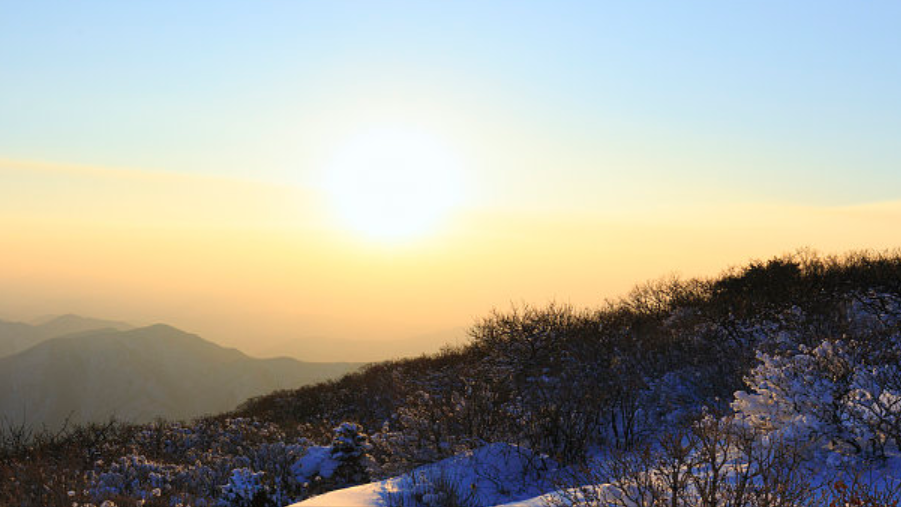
(162, 162)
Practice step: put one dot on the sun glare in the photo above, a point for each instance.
(391, 183)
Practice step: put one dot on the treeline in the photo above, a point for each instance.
(561, 380)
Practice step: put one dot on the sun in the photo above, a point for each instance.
(391, 183)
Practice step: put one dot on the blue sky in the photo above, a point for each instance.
(793, 102)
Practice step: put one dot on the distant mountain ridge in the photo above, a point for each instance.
(138, 375)
(18, 336)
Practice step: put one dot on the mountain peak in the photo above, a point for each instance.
(159, 327)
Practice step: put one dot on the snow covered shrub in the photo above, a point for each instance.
(874, 405)
(844, 395)
(245, 489)
(196, 464)
(133, 476)
(345, 462)
(800, 396)
(350, 449)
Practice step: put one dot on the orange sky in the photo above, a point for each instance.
(252, 265)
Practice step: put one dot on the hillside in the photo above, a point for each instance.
(780, 377)
(138, 375)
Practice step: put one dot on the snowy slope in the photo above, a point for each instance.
(492, 475)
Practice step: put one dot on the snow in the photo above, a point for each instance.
(317, 461)
(491, 475)
(367, 495)
(502, 475)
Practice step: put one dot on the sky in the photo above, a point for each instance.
(270, 173)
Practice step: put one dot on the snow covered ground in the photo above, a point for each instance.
(502, 475)
(496, 474)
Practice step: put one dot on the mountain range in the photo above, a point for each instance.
(97, 370)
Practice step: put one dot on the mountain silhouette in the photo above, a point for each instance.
(138, 375)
